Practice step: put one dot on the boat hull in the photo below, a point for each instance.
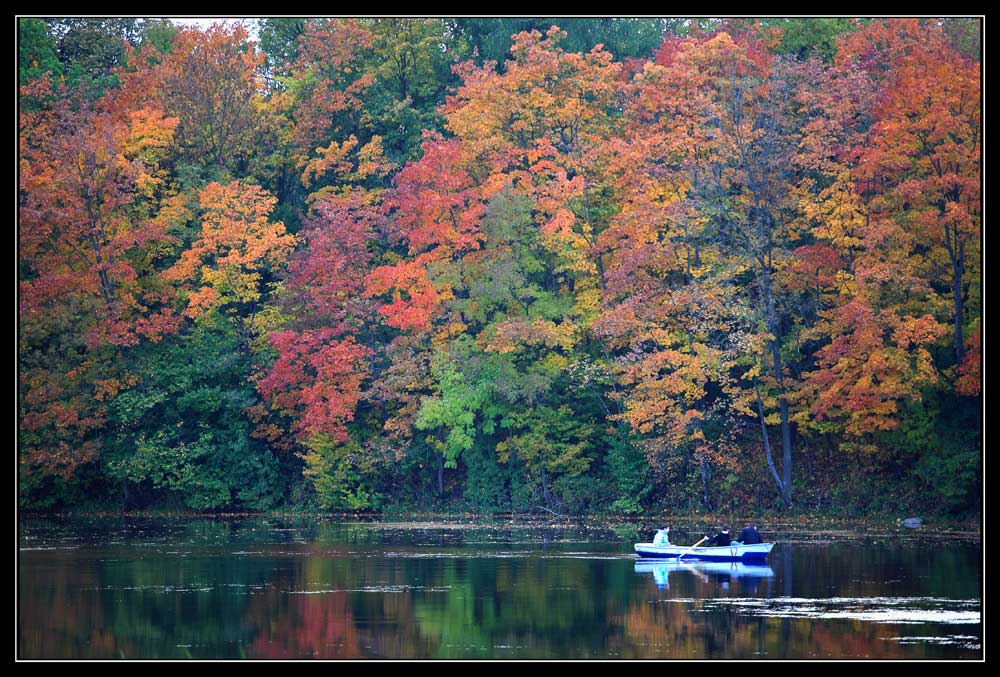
(725, 553)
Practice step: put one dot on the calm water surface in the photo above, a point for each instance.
(141, 588)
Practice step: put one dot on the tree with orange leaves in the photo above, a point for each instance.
(919, 168)
(895, 203)
(237, 246)
(89, 288)
(706, 180)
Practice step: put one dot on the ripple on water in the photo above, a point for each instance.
(963, 641)
(894, 610)
(370, 588)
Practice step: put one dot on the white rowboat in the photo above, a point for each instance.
(733, 551)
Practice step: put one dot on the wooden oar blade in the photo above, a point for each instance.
(692, 547)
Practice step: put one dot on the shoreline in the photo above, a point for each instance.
(813, 523)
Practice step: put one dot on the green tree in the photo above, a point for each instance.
(36, 51)
(338, 474)
(279, 39)
(183, 430)
(412, 61)
(92, 49)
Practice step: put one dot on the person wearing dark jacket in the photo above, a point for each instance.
(750, 535)
(721, 538)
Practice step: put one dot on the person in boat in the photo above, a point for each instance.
(721, 538)
(662, 537)
(750, 535)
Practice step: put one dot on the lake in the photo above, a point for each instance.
(319, 587)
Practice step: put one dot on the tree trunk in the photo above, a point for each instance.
(706, 477)
(545, 488)
(956, 290)
(779, 377)
(786, 447)
(767, 447)
(440, 475)
(956, 253)
(809, 458)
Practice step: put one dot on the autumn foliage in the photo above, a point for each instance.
(685, 271)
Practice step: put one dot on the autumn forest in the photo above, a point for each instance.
(552, 266)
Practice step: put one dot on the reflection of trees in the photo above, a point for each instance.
(183, 604)
(160, 594)
(688, 630)
(891, 568)
(166, 588)
(303, 626)
(60, 620)
(693, 629)
(854, 639)
(531, 607)
(786, 559)
(329, 605)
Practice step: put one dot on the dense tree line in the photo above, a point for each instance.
(570, 265)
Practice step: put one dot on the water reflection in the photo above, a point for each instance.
(722, 574)
(290, 589)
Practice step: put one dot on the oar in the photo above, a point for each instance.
(693, 569)
(692, 548)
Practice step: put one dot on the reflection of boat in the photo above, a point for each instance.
(733, 569)
(722, 572)
(734, 551)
